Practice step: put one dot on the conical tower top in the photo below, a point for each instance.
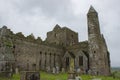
(92, 10)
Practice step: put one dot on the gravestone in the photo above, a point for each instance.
(89, 71)
(97, 79)
(63, 70)
(57, 69)
(16, 71)
(54, 70)
(78, 77)
(78, 70)
(48, 69)
(30, 75)
(71, 75)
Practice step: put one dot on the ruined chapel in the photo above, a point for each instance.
(57, 50)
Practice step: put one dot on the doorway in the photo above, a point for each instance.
(67, 62)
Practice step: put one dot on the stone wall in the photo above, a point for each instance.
(62, 36)
(25, 54)
(31, 56)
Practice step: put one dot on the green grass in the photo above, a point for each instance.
(16, 77)
(61, 76)
(88, 77)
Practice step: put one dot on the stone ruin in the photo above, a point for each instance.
(55, 53)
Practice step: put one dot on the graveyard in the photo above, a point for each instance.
(62, 76)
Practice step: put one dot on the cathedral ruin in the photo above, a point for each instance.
(60, 46)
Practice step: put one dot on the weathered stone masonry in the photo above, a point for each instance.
(60, 46)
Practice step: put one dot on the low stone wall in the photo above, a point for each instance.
(29, 75)
(6, 74)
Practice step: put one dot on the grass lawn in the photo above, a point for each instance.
(61, 76)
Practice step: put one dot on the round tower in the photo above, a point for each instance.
(97, 53)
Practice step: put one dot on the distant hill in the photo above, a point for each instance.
(115, 68)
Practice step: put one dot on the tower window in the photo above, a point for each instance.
(14, 46)
(72, 36)
(45, 58)
(50, 58)
(54, 59)
(40, 63)
(40, 52)
(55, 35)
(94, 51)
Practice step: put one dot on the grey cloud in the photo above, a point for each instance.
(48, 7)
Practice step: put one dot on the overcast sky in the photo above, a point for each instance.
(40, 16)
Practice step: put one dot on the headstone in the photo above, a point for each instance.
(30, 75)
(71, 75)
(86, 71)
(57, 69)
(78, 70)
(48, 69)
(16, 70)
(63, 70)
(11, 72)
(78, 78)
(54, 70)
(97, 79)
(89, 71)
